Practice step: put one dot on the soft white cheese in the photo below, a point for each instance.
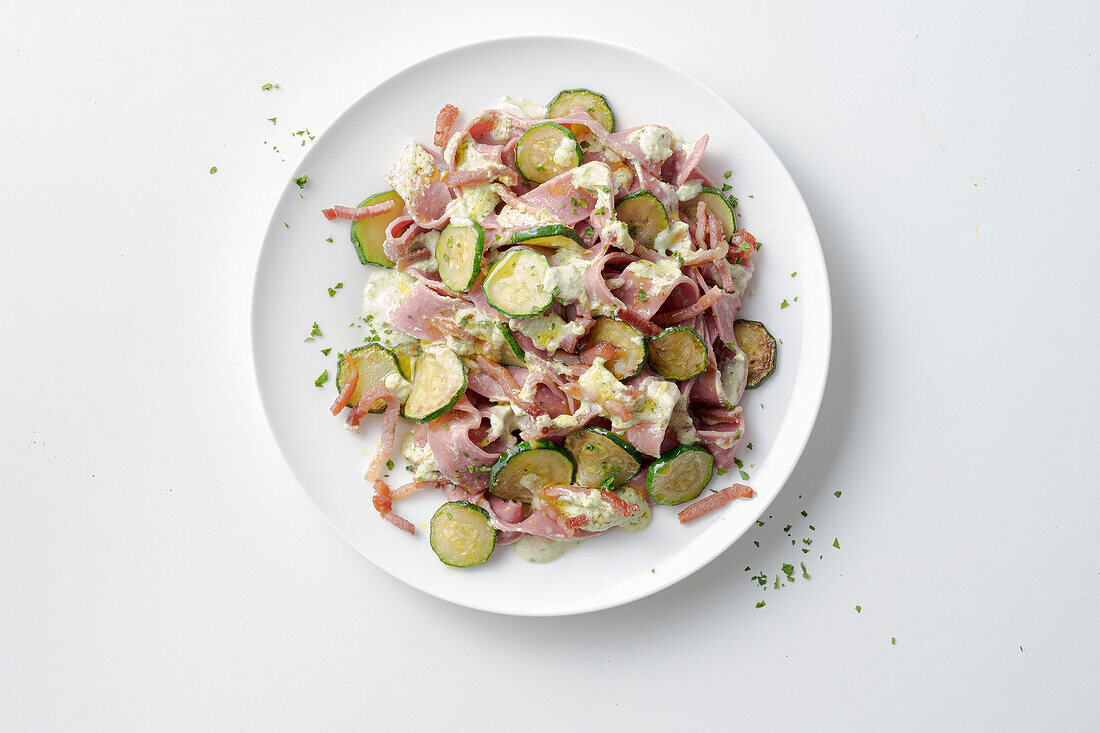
(523, 107)
(660, 401)
(616, 234)
(566, 154)
(690, 190)
(501, 422)
(674, 241)
(476, 203)
(593, 506)
(622, 177)
(566, 281)
(680, 423)
(411, 171)
(399, 385)
(477, 325)
(421, 458)
(380, 296)
(427, 240)
(511, 216)
(661, 274)
(735, 374)
(547, 331)
(654, 140)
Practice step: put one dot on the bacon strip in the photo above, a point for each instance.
(506, 380)
(602, 350)
(383, 502)
(405, 489)
(629, 317)
(360, 213)
(389, 424)
(706, 301)
(349, 388)
(480, 175)
(715, 501)
(740, 238)
(444, 121)
(618, 504)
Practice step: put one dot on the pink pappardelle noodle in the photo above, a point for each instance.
(560, 324)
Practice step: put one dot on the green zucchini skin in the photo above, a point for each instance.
(535, 152)
(680, 474)
(533, 299)
(459, 252)
(460, 534)
(593, 102)
(368, 235)
(546, 235)
(604, 460)
(644, 216)
(618, 333)
(717, 204)
(677, 353)
(760, 348)
(373, 362)
(427, 378)
(549, 463)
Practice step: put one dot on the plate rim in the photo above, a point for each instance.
(807, 419)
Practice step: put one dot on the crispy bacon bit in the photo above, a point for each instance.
(602, 350)
(715, 501)
(706, 301)
(383, 502)
(444, 121)
(389, 424)
(360, 213)
(744, 246)
(618, 504)
(405, 489)
(618, 409)
(546, 504)
(629, 317)
(701, 225)
(349, 388)
(508, 382)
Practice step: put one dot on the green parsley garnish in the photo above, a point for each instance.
(272, 119)
(329, 240)
(760, 604)
(794, 273)
(744, 476)
(605, 189)
(727, 174)
(269, 86)
(326, 351)
(286, 225)
(804, 573)
(784, 304)
(726, 187)
(213, 169)
(389, 464)
(836, 494)
(642, 296)
(332, 290)
(894, 641)
(859, 609)
(301, 181)
(722, 471)
(836, 543)
(737, 462)
(804, 513)
(750, 446)
(788, 570)
(321, 379)
(315, 332)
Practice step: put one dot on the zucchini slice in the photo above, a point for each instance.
(459, 254)
(374, 363)
(677, 353)
(460, 534)
(555, 236)
(645, 217)
(593, 103)
(437, 384)
(368, 235)
(406, 357)
(512, 354)
(546, 150)
(627, 338)
(602, 457)
(717, 204)
(527, 467)
(680, 474)
(759, 346)
(513, 284)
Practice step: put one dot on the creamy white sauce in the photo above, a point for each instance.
(542, 550)
(523, 107)
(380, 296)
(655, 142)
(411, 171)
(511, 216)
(689, 190)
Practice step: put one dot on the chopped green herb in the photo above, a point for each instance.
(836, 543)
(727, 174)
(894, 641)
(794, 273)
(784, 304)
(722, 471)
(788, 570)
(301, 181)
(750, 446)
(213, 169)
(744, 476)
(272, 119)
(756, 543)
(804, 513)
(759, 522)
(332, 290)
(329, 240)
(737, 462)
(726, 187)
(836, 494)
(321, 379)
(269, 86)
(286, 225)
(812, 529)
(859, 609)
(389, 464)
(760, 604)
(605, 189)
(805, 574)
(787, 528)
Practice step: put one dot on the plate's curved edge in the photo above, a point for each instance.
(816, 392)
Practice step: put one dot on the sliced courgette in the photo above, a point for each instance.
(680, 474)
(602, 457)
(645, 217)
(513, 284)
(368, 235)
(512, 353)
(678, 353)
(555, 236)
(459, 254)
(591, 102)
(373, 363)
(460, 534)
(406, 357)
(437, 384)
(547, 150)
(527, 467)
(626, 337)
(759, 346)
(718, 205)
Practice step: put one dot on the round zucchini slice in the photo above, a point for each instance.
(368, 235)
(759, 346)
(591, 102)
(546, 150)
(678, 353)
(680, 474)
(717, 204)
(459, 254)
(406, 357)
(527, 467)
(513, 284)
(627, 338)
(555, 236)
(374, 363)
(601, 456)
(437, 384)
(512, 353)
(460, 534)
(645, 217)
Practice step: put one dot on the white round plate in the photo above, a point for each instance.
(297, 266)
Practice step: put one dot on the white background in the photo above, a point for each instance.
(160, 568)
